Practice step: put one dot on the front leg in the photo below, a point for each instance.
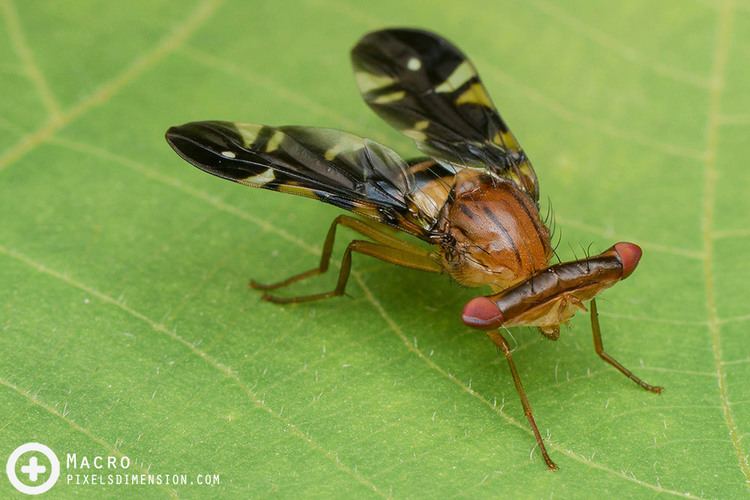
(599, 348)
(500, 341)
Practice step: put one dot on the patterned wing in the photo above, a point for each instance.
(332, 166)
(425, 87)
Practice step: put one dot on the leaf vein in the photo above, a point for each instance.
(26, 55)
(617, 47)
(105, 92)
(111, 449)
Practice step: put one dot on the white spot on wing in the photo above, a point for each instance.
(414, 64)
(228, 154)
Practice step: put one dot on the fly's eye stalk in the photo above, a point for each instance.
(482, 313)
(629, 254)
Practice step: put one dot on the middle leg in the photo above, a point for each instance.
(366, 228)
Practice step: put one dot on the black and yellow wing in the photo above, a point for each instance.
(335, 167)
(428, 89)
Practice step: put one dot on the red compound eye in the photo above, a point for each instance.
(482, 313)
(629, 254)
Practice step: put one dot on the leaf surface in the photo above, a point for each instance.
(128, 328)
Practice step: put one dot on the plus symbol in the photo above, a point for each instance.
(33, 469)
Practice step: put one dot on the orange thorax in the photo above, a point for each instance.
(495, 234)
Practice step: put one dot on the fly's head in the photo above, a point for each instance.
(551, 297)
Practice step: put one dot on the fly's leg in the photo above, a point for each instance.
(599, 348)
(500, 341)
(386, 253)
(363, 227)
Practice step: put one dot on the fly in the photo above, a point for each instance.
(474, 197)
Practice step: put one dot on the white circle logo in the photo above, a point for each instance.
(32, 469)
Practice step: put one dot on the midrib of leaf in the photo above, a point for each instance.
(713, 125)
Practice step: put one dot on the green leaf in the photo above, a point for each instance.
(128, 328)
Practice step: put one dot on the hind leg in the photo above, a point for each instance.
(365, 228)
